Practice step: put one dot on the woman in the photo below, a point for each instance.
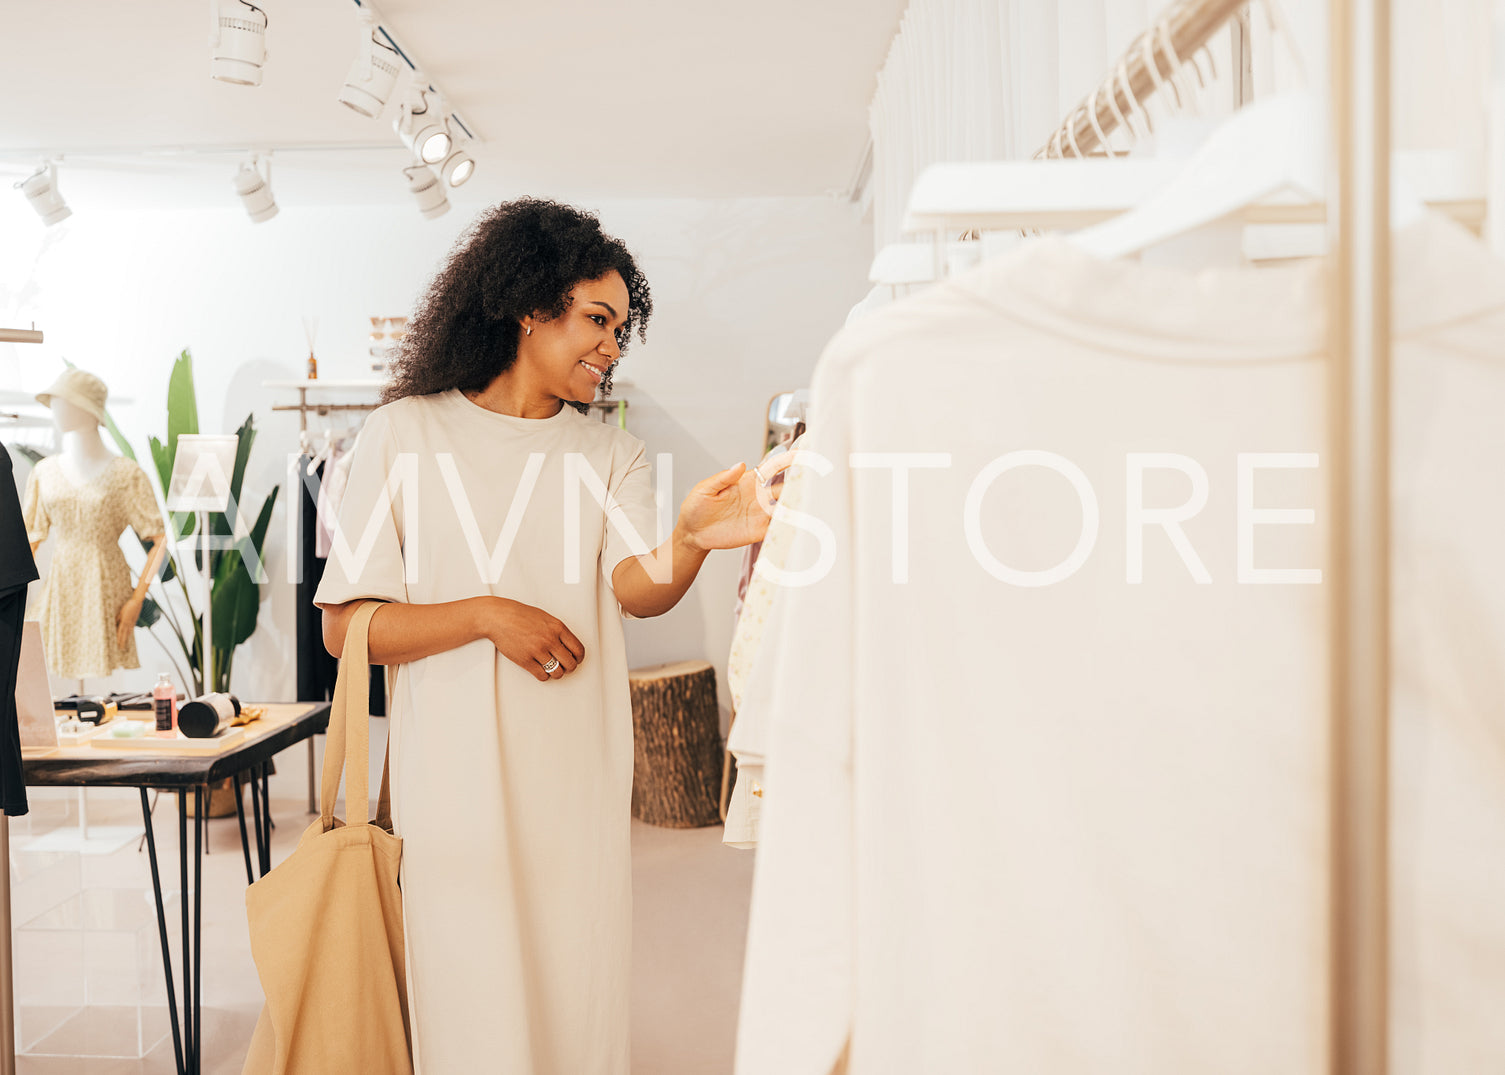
(474, 509)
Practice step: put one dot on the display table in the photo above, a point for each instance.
(187, 770)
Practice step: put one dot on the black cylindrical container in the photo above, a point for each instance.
(206, 717)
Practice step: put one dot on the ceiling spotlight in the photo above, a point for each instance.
(238, 41)
(457, 167)
(426, 188)
(374, 72)
(423, 124)
(255, 190)
(41, 191)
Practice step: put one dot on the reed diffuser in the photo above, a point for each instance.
(310, 330)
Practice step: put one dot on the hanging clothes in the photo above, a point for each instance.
(757, 599)
(1081, 824)
(334, 472)
(317, 669)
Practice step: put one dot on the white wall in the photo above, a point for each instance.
(746, 293)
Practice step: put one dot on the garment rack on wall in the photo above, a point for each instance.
(601, 407)
(303, 407)
(24, 421)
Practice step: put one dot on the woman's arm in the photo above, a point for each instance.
(399, 633)
(635, 588)
(726, 511)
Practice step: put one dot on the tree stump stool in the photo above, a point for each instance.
(676, 725)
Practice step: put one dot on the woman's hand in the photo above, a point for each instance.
(732, 509)
(125, 620)
(531, 638)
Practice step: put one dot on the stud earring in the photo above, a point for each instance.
(527, 330)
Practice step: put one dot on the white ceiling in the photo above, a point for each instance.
(574, 98)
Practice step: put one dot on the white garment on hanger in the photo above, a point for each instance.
(1082, 827)
(748, 675)
(331, 492)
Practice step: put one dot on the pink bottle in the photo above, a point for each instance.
(165, 702)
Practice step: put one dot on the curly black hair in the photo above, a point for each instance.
(518, 258)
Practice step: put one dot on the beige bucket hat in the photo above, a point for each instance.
(82, 389)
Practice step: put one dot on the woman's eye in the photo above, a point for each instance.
(598, 319)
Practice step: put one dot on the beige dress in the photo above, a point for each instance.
(88, 580)
(512, 797)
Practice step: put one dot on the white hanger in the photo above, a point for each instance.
(325, 451)
(1269, 149)
(1266, 163)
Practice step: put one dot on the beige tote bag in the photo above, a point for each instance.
(326, 924)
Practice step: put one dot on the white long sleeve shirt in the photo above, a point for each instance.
(1082, 827)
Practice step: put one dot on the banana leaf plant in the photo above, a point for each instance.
(234, 592)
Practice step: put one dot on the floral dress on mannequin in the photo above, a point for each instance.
(88, 580)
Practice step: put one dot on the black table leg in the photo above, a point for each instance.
(189, 1037)
(172, 999)
(245, 843)
(201, 800)
(266, 808)
(256, 823)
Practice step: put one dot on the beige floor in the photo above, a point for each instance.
(690, 911)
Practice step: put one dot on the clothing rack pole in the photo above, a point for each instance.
(1189, 25)
(1359, 559)
(7, 990)
(7, 981)
(303, 409)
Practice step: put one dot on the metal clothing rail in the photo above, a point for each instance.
(1359, 446)
(303, 407)
(616, 408)
(7, 984)
(1150, 62)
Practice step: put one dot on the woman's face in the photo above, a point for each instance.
(572, 352)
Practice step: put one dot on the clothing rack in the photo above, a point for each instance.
(303, 406)
(24, 421)
(7, 986)
(601, 407)
(1360, 324)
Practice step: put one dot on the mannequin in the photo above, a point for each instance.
(89, 495)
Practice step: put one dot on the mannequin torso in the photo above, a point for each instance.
(87, 495)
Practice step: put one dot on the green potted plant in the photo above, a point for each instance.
(234, 591)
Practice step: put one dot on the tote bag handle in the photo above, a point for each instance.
(347, 743)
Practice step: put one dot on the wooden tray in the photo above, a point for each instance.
(182, 742)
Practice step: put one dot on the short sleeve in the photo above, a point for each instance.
(141, 509)
(33, 510)
(366, 548)
(631, 508)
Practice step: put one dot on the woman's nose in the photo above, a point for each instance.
(610, 348)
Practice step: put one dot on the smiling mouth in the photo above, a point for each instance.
(598, 372)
